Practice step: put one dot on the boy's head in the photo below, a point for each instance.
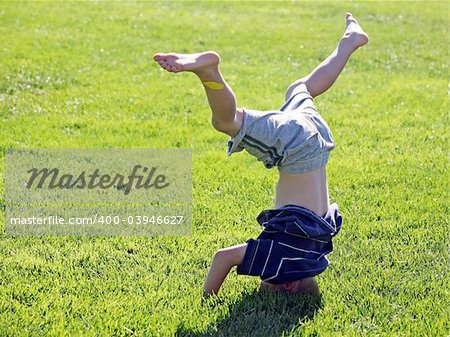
(306, 286)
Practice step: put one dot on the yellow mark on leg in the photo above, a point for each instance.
(213, 85)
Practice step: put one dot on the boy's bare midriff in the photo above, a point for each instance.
(308, 190)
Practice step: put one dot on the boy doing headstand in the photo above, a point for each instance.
(297, 233)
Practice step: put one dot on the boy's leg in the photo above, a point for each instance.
(225, 117)
(323, 77)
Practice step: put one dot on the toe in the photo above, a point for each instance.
(350, 17)
(158, 57)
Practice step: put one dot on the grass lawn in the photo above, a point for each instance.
(80, 75)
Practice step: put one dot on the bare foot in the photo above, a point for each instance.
(354, 33)
(201, 63)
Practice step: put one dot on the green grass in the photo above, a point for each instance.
(79, 75)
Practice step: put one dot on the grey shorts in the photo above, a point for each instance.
(295, 138)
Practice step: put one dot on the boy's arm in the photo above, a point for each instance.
(223, 261)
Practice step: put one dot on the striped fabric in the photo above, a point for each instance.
(274, 158)
(293, 244)
(294, 138)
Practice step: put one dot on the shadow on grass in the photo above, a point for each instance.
(261, 314)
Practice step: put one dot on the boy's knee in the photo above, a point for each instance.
(292, 89)
(230, 126)
(220, 125)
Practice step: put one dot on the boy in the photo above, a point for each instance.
(297, 232)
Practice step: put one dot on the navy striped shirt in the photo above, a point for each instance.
(293, 244)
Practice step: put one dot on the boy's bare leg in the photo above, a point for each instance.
(221, 98)
(323, 77)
